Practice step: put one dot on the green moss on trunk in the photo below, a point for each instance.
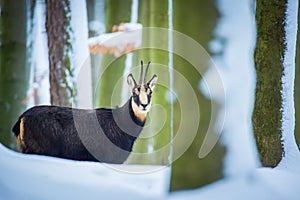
(269, 53)
(14, 69)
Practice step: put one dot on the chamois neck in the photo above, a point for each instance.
(127, 121)
(138, 117)
(141, 116)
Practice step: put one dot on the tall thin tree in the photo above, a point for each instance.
(297, 85)
(14, 65)
(59, 32)
(269, 54)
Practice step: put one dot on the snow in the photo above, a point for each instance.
(236, 67)
(127, 39)
(291, 151)
(264, 183)
(40, 177)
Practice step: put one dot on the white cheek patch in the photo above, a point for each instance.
(143, 97)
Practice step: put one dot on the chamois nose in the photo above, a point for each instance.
(144, 106)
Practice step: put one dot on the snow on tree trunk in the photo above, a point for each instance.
(297, 87)
(82, 60)
(269, 53)
(236, 67)
(60, 48)
(290, 149)
(274, 114)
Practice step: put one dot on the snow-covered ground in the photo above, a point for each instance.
(263, 183)
(40, 177)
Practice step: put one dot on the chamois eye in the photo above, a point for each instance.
(149, 91)
(136, 91)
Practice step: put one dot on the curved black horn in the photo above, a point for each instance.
(141, 74)
(146, 72)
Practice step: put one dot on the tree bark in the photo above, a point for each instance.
(62, 90)
(269, 53)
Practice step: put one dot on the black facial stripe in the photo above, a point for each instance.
(136, 99)
(149, 98)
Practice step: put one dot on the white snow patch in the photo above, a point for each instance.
(264, 183)
(291, 151)
(128, 38)
(39, 177)
(235, 65)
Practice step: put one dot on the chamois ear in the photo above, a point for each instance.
(152, 82)
(131, 82)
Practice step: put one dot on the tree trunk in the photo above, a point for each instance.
(107, 77)
(62, 90)
(297, 86)
(155, 14)
(14, 68)
(269, 53)
(189, 171)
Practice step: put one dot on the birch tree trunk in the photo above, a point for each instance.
(297, 86)
(269, 53)
(58, 29)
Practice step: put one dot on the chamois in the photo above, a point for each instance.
(102, 134)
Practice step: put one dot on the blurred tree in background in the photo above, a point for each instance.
(189, 171)
(15, 48)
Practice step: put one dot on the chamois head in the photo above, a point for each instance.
(141, 92)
